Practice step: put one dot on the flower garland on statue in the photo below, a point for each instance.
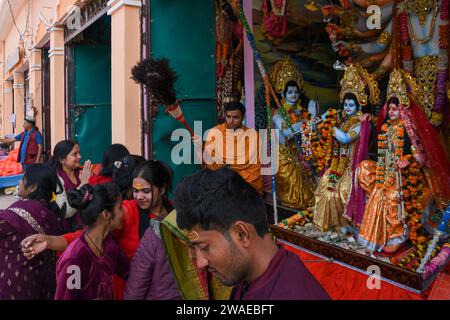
(323, 147)
(299, 219)
(290, 118)
(441, 77)
(308, 136)
(412, 195)
(340, 153)
(383, 178)
(411, 186)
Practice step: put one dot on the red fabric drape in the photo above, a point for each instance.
(343, 283)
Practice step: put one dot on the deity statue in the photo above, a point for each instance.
(422, 34)
(397, 188)
(349, 146)
(293, 180)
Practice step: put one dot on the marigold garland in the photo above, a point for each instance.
(323, 148)
(386, 179)
(299, 219)
(340, 152)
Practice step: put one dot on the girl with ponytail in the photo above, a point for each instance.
(95, 256)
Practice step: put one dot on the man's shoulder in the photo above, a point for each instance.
(294, 276)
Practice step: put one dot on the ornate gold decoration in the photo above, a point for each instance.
(436, 118)
(397, 87)
(349, 19)
(426, 69)
(384, 38)
(355, 80)
(284, 71)
(422, 18)
(421, 8)
(311, 6)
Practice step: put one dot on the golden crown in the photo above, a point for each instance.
(397, 87)
(282, 72)
(355, 80)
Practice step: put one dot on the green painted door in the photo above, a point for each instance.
(184, 32)
(90, 113)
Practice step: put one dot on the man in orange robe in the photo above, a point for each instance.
(233, 144)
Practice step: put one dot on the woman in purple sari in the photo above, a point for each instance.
(86, 268)
(66, 161)
(37, 213)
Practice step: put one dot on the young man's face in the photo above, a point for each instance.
(234, 119)
(221, 255)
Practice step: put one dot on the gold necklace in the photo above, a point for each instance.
(98, 249)
(433, 22)
(421, 8)
(351, 121)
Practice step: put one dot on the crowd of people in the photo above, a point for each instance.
(74, 235)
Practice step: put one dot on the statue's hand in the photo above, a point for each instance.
(313, 108)
(403, 163)
(420, 158)
(333, 29)
(364, 117)
(329, 10)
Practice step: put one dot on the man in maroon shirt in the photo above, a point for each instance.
(228, 227)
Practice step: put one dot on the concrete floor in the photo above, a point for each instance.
(6, 201)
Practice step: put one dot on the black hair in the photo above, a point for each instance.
(393, 100)
(47, 183)
(92, 200)
(351, 96)
(123, 172)
(234, 106)
(301, 93)
(115, 152)
(33, 123)
(407, 140)
(61, 150)
(156, 173)
(215, 200)
(292, 83)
